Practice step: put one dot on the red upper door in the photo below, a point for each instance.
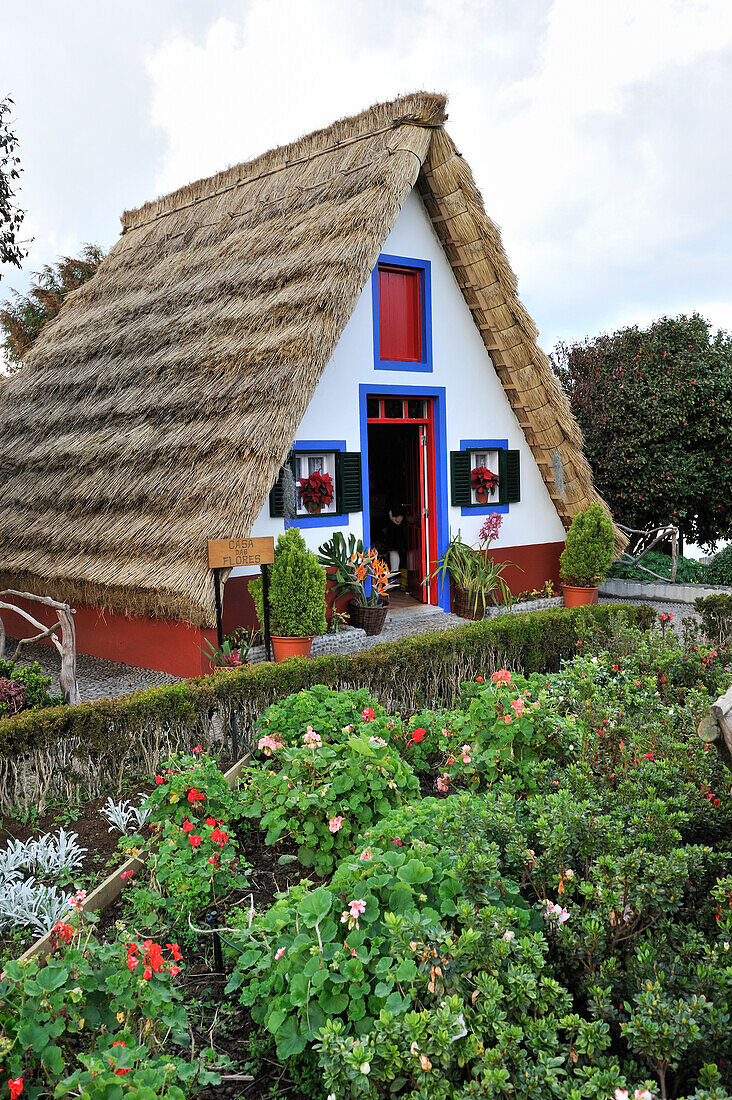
(400, 314)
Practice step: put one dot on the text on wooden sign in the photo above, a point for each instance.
(226, 553)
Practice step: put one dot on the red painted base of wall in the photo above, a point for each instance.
(174, 646)
(539, 563)
(166, 645)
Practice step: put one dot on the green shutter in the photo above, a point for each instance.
(460, 478)
(276, 497)
(509, 477)
(348, 482)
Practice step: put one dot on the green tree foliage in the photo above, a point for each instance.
(655, 407)
(11, 216)
(22, 319)
(589, 551)
(297, 589)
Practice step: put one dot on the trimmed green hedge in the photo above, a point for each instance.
(88, 748)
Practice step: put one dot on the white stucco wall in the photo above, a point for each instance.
(476, 405)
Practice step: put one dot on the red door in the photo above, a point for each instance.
(414, 418)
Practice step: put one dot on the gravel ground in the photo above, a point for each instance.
(100, 679)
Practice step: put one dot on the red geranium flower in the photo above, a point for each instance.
(195, 795)
(417, 735)
(194, 841)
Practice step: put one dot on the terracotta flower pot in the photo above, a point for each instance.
(291, 647)
(482, 495)
(578, 596)
(314, 509)
(334, 602)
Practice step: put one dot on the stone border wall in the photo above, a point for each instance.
(659, 590)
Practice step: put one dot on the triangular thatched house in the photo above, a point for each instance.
(305, 304)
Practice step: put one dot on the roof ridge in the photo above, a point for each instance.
(423, 109)
(407, 120)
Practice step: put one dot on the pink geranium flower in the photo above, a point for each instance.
(357, 907)
(502, 676)
(466, 750)
(335, 823)
(443, 782)
(367, 714)
(279, 953)
(310, 737)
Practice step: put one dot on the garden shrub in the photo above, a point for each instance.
(382, 935)
(106, 741)
(327, 711)
(109, 1005)
(297, 589)
(688, 571)
(715, 612)
(589, 549)
(193, 861)
(321, 795)
(719, 569)
(24, 687)
(504, 728)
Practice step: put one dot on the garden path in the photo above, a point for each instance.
(99, 679)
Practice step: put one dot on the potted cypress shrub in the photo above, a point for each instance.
(296, 597)
(587, 556)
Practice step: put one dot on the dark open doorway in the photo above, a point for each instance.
(401, 471)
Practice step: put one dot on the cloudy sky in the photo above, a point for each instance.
(598, 131)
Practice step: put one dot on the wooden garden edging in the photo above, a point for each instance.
(110, 889)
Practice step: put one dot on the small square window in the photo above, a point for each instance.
(373, 408)
(416, 410)
(484, 460)
(307, 463)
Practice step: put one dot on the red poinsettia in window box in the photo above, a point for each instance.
(483, 482)
(316, 491)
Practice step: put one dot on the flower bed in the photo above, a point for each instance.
(66, 752)
(553, 917)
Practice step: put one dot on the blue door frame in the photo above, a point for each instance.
(437, 393)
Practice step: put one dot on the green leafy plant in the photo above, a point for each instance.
(337, 553)
(589, 549)
(334, 715)
(715, 612)
(640, 397)
(296, 589)
(30, 691)
(473, 571)
(234, 649)
(688, 571)
(95, 1001)
(386, 933)
(321, 796)
(504, 729)
(719, 569)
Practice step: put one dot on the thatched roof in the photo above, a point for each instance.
(156, 409)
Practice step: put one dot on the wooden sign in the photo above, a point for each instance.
(226, 553)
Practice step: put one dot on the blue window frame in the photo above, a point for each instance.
(369, 389)
(484, 445)
(425, 268)
(328, 520)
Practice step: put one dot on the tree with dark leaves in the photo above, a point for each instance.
(22, 319)
(11, 216)
(655, 407)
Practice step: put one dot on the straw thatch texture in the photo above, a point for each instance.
(155, 411)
